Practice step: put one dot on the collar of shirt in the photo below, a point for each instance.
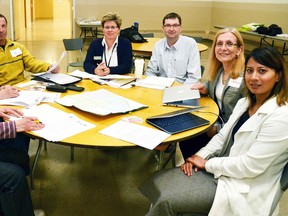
(105, 44)
(175, 46)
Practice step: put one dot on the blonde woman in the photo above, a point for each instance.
(111, 54)
(225, 83)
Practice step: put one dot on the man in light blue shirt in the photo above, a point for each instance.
(175, 56)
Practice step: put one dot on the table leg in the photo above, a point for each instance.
(284, 51)
(35, 162)
(72, 153)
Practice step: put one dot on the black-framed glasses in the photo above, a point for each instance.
(173, 26)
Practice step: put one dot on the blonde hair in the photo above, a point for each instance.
(111, 17)
(215, 64)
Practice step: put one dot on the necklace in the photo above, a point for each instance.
(108, 63)
(225, 77)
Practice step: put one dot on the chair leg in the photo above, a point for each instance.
(35, 163)
(159, 156)
(45, 145)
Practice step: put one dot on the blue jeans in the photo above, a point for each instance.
(15, 198)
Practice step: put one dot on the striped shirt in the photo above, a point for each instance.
(7, 130)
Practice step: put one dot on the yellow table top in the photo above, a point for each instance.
(148, 46)
(150, 97)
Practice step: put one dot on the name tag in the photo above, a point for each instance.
(97, 58)
(235, 82)
(16, 52)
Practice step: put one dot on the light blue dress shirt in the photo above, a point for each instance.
(181, 61)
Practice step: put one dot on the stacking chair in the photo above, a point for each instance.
(282, 188)
(73, 45)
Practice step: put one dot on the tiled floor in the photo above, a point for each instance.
(99, 182)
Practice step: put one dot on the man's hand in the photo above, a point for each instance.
(56, 70)
(8, 92)
(28, 124)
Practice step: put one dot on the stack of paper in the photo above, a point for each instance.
(156, 82)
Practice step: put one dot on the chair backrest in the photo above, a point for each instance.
(284, 178)
(197, 39)
(148, 35)
(73, 44)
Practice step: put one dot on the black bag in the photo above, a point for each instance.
(262, 30)
(132, 34)
(274, 30)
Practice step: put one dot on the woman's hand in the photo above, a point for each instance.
(187, 168)
(28, 124)
(199, 86)
(193, 161)
(8, 92)
(5, 113)
(197, 161)
(102, 70)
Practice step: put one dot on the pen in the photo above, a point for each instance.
(129, 82)
(37, 121)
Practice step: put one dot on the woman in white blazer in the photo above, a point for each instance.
(238, 172)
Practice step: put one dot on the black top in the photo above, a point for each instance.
(244, 117)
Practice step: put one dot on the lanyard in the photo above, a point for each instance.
(110, 55)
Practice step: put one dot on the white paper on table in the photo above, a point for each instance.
(31, 98)
(81, 74)
(58, 124)
(155, 82)
(137, 134)
(114, 76)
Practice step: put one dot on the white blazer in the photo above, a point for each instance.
(248, 178)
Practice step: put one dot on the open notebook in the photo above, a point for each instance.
(100, 102)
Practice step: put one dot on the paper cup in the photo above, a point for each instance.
(139, 66)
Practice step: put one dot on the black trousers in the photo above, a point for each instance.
(16, 151)
(15, 198)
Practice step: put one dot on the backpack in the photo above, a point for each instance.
(274, 30)
(132, 34)
(262, 30)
